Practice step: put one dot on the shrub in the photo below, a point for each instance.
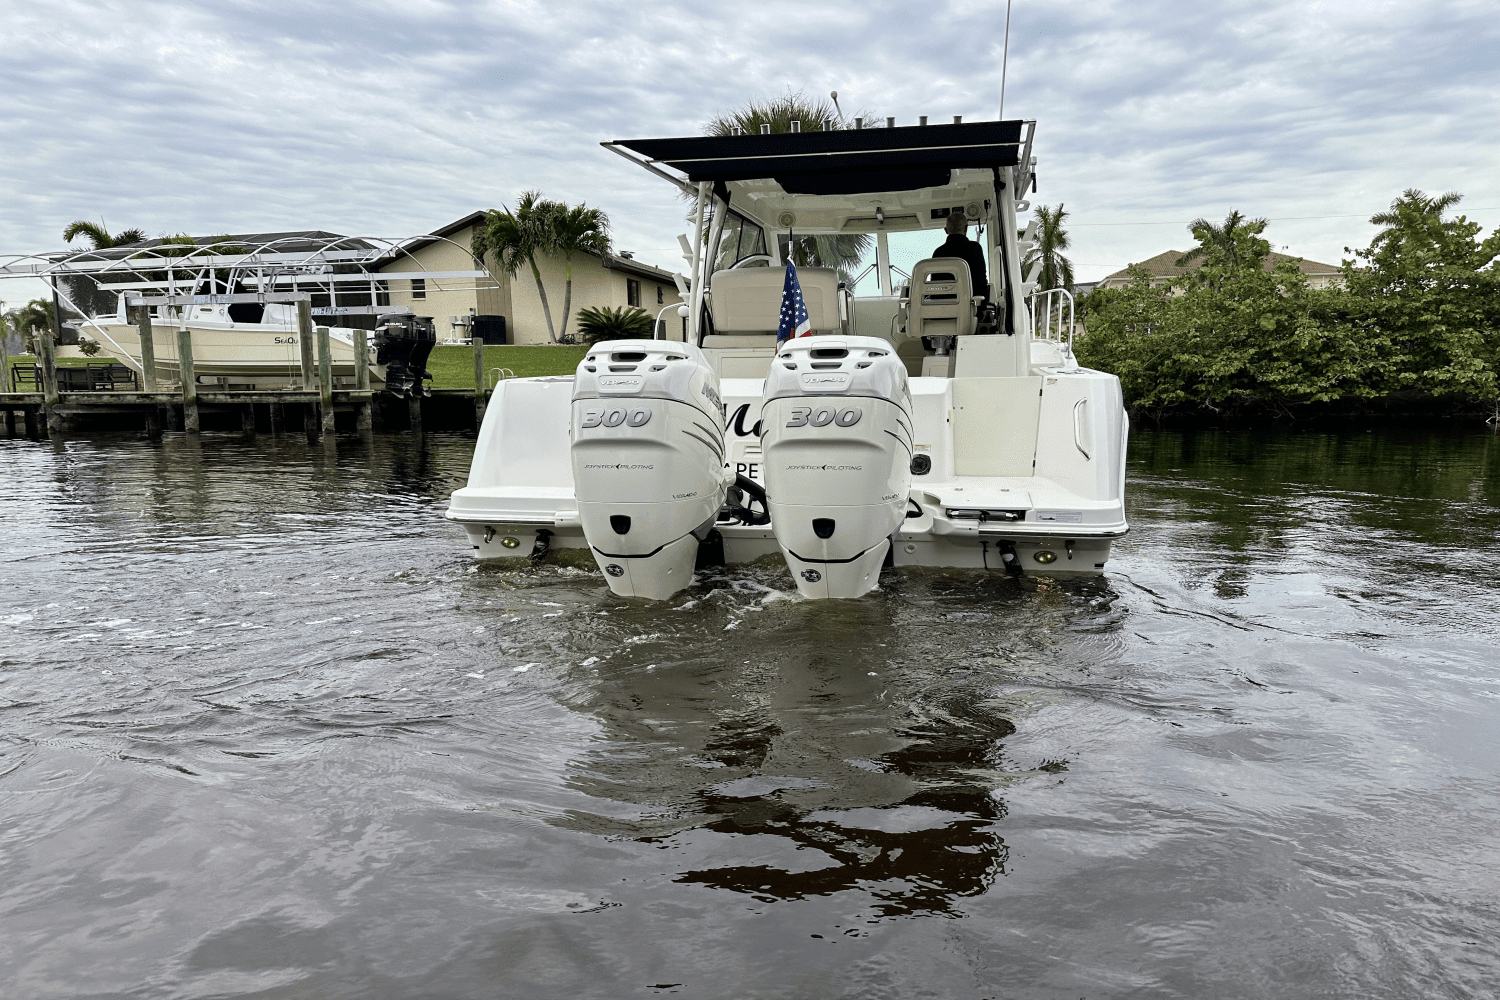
(619, 323)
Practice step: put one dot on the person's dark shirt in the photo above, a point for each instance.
(971, 253)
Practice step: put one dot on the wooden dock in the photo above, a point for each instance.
(315, 405)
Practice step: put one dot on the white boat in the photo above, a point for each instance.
(225, 350)
(919, 427)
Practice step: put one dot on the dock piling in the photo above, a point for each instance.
(305, 341)
(153, 424)
(414, 412)
(189, 377)
(247, 422)
(50, 395)
(4, 360)
(364, 412)
(325, 380)
(277, 419)
(148, 348)
(479, 393)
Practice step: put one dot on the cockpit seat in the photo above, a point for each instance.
(746, 302)
(938, 303)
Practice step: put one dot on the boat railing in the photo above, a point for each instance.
(497, 375)
(1047, 315)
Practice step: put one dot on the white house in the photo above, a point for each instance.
(608, 281)
(1163, 270)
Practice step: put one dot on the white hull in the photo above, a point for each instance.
(1059, 469)
(236, 352)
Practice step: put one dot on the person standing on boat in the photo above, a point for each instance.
(959, 245)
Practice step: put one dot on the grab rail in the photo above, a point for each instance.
(1042, 305)
(504, 373)
(1078, 411)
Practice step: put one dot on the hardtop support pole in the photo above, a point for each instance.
(304, 341)
(148, 348)
(883, 263)
(699, 256)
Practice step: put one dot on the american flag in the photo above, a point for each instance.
(794, 319)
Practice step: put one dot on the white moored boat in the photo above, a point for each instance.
(920, 427)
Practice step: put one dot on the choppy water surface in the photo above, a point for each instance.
(266, 732)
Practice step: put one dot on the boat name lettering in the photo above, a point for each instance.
(286, 340)
(737, 423)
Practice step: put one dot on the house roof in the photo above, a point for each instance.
(614, 262)
(1164, 265)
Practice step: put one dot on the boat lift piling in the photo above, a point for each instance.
(479, 393)
(325, 382)
(189, 378)
(364, 418)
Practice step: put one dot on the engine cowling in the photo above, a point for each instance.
(836, 447)
(648, 461)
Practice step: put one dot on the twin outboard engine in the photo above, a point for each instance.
(648, 461)
(402, 344)
(837, 449)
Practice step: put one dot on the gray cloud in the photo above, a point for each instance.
(392, 118)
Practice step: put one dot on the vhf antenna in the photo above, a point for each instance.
(1004, 59)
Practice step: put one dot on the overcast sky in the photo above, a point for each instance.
(393, 118)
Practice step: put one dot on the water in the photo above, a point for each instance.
(266, 732)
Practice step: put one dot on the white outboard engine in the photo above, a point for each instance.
(837, 450)
(648, 461)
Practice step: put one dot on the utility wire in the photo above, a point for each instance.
(1283, 218)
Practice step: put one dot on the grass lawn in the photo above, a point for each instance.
(453, 367)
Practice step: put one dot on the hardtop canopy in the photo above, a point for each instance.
(844, 161)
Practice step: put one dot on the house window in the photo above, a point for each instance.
(632, 292)
(659, 299)
(419, 288)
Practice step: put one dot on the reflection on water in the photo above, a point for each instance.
(266, 731)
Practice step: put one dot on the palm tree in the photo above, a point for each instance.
(843, 250)
(574, 230)
(1226, 237)
(85, 292)
(100, 237)
(515, 238)
(1052, 239)
(1413, 208)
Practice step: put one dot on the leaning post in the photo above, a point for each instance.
(325, 380)
(189, 377)
(148, 348)
(364, 419)
(479, 394)
(305, 341)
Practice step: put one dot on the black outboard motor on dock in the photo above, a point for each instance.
(402, 344)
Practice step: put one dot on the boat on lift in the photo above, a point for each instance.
(239, 300)
(923, 426)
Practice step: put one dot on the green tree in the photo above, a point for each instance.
(1051, 240)
(1425, 295)
(515, 238)
(1237, 239)
(85, 292)
(574, 230)
(843, 251)
(29, 322)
